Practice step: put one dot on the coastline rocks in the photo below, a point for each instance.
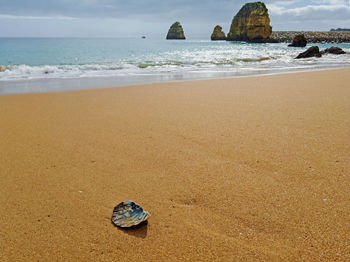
(312, 36)
(176, 32)
(299, 41)
(334, 50)
(313, 51)
(218, 34)
(252, 24)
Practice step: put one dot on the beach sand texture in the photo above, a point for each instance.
(244, 169)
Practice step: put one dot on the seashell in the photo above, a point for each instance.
(128, 214)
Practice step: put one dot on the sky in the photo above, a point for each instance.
(133, 18)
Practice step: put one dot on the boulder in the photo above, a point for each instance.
(176, 32)
(313, 51)
(218, 34)
(252, 24)
(299, 41)
(334, 50)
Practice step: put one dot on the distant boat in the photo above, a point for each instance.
(143, 37)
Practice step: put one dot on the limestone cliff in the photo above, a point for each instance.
(252, 23)
(176, 32)
(218, 34)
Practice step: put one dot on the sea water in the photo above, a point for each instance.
(56, 64)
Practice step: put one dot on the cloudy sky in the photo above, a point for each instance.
(129, 18)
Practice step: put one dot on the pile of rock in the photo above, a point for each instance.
(312, 37)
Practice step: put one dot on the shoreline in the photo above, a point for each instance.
(86, 83)
(155, 61)
(238, 169)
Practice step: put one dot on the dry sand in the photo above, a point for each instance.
(246, 169)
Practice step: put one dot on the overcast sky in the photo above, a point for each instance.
(129, 18)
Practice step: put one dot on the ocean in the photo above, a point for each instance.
(57, 64)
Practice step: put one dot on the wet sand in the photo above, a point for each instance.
(244, 169)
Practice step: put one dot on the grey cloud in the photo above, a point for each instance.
(197, 16)
(110, 8)
(152, 10)
(321, 17)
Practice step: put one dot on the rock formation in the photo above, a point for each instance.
(299, 41)
(218, 34)
(176, 32)
(313, 51)
(334, 50)
(252, 23)
(312, 36)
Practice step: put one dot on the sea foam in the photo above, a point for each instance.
(74, 58)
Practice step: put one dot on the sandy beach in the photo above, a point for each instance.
(242, 169)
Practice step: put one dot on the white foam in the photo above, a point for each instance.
(221, 59)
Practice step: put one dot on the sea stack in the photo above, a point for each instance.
(176, 32)
(218, 34)
(251, 24)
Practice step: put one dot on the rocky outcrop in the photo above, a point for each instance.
(299, 41)
(334, 50)
(313, 51)
(176, 32)
(218, 34)
(252, 24)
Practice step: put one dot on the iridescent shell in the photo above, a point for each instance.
(128, 214)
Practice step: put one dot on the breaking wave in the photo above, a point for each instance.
(189, 57)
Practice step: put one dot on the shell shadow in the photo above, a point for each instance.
(139, 231)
